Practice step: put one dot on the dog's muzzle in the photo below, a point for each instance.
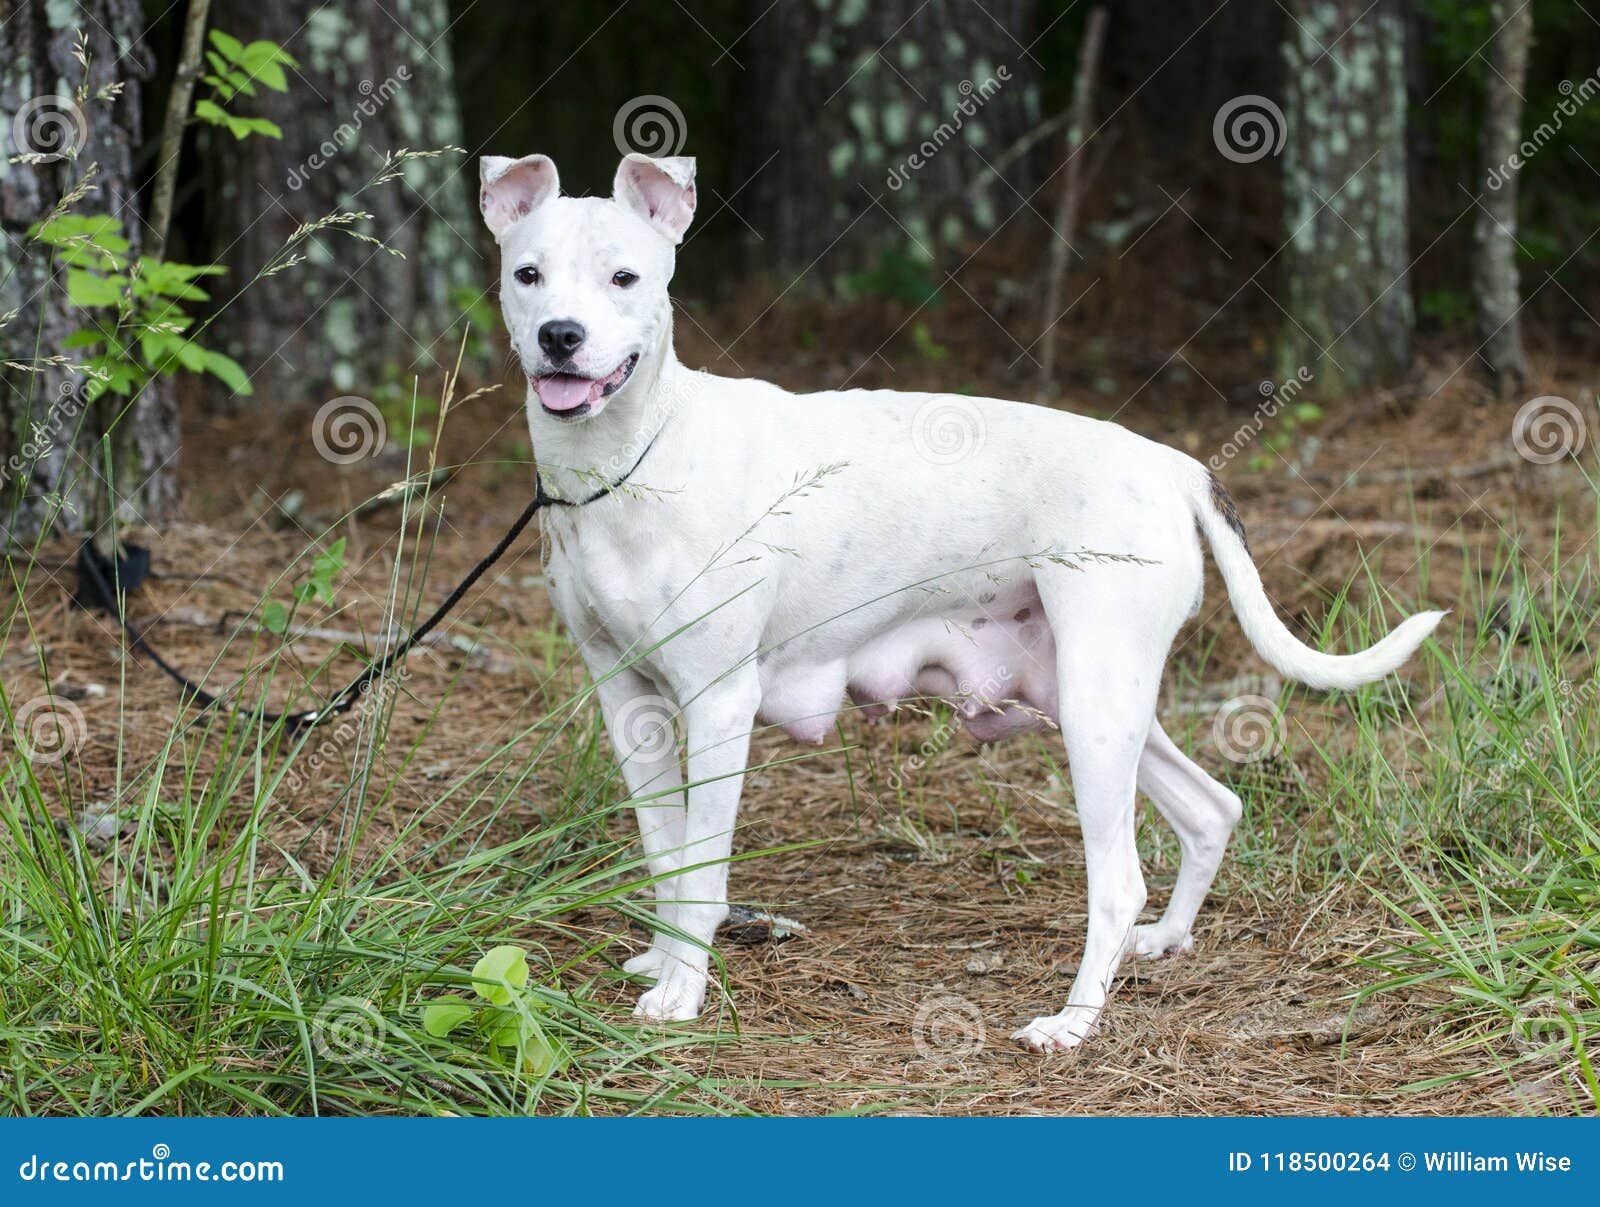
(572, 395)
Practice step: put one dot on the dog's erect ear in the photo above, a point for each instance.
(510, 188)
(661, 191)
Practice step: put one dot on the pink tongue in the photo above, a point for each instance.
(564, 392)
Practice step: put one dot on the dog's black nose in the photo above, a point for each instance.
(560, 338)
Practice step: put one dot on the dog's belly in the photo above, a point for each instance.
(993, 659)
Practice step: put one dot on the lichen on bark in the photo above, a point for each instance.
(1344, 265)
(353, 318)
(51, 440)
(883, 118)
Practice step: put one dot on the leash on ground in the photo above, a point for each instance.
(98, 580)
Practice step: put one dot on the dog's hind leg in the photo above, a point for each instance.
(639, 722)
(1109, 660)
(1204, 813)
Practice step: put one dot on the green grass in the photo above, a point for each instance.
(1463, 796)
(196, 964)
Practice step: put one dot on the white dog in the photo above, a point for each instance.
(772, 554)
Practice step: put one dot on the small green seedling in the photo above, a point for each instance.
(319, 586)
(504, 1017)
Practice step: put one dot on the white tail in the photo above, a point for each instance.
(1213, 508)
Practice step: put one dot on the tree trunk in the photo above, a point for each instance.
(1350, 314)
(871, 126)
(50, 447)
(1081, 117)
(180, 103)
(1494, 234)
(353, 318)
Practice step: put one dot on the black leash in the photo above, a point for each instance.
(96, 589)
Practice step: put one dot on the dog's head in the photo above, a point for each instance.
(583, 281)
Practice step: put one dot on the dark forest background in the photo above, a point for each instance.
(1366, 228)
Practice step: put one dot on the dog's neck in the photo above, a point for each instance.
(576, 458)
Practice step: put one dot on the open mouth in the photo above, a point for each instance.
(571, 395)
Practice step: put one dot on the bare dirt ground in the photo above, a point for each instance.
(923, 947)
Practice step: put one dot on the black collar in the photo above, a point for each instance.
(542, 498)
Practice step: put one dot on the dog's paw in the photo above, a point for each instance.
(1157, 940)
(677, 997)
(646, 964)
(1059, 1032)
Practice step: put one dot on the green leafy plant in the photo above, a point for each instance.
(317, 587)
(236, 68)
(504, 1018)
(137, 328)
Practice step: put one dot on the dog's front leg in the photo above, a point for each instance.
(718, 722)
(639, 721)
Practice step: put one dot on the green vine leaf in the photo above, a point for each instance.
(501, 972)
(230, 371)
(274, 617)
(85, 288)
(445, 1014)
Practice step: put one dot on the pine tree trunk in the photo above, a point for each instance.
(1495, 285)
(51, 458)
(898, 102)
(352, 319)
(1348, 294)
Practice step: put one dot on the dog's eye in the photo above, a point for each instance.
(527, 275)
(623, 278)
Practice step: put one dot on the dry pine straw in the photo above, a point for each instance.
(1255, 1020)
